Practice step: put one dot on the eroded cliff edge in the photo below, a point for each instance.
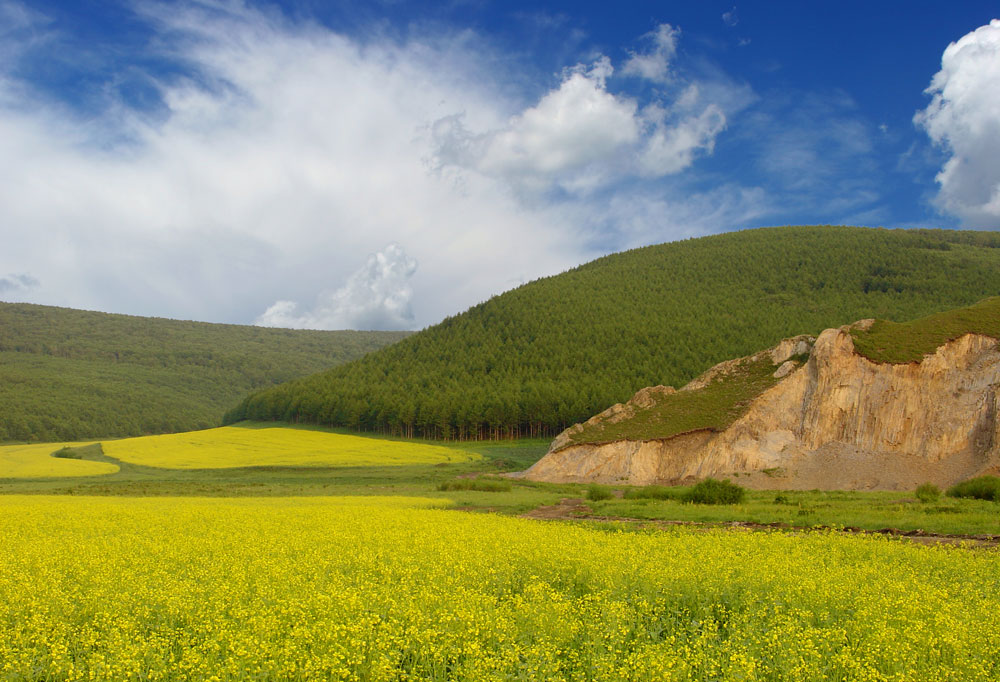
(836, 420)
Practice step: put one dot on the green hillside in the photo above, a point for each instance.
(558, 350)
(70, 374)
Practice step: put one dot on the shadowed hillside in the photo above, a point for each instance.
(557, 350)
(70, 374)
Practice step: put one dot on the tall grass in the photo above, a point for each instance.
(486, 485)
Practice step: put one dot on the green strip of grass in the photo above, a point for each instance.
(903, 342)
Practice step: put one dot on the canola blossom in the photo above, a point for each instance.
(243, 446)
(390, 589)
(36, 461)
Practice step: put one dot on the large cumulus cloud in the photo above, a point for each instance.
(964, 118)
(280, 155)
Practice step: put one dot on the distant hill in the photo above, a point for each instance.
(70, 374)
(557, 350)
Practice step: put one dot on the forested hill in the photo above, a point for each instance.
(70, 374)
(557, 350)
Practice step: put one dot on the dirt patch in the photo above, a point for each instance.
(571, 508)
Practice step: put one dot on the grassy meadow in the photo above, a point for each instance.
(835, 508)
(391, 589)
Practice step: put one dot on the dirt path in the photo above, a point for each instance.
(567, 509)
(576, 509)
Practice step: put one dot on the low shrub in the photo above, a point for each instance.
(486, 485)
(928, 492)
(67, 453)
(599, 492)
(980, 488)
(712, 491)
(651, 492)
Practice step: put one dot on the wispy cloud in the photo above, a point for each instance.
(653, 64)
(814, 152)
(17, 283)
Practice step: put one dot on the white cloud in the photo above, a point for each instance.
(644, 216)
(672, 148)
(570, 128)
(375, 297)
(580, 137)
(17, 283)
(578, 123)
(288, 153)
(964, 118)
(654, 65)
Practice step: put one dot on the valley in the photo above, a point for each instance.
(392, 517)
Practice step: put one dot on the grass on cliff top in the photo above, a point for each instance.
(902, 342)
(714, 407)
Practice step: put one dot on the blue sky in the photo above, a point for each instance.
(383, 165)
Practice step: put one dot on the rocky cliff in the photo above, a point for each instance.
(835, 420)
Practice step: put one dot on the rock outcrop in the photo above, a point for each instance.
(836, 421)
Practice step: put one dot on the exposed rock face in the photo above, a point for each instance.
(839, 421)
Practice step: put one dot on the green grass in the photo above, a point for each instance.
(596, 492)
(713, 407)
(902, 342)
(979, 488)
(865, 510)
(482, 484)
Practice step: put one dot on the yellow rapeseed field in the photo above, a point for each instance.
(388, 589)
(36, 461)
(240, 446)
